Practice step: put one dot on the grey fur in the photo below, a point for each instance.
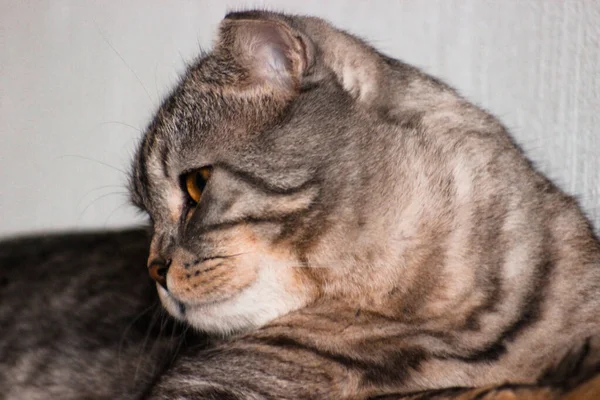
(365, 232)
(430, 251)
(80, 319)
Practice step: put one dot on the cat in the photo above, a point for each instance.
(80, 319)
(351, 226)
(342, 225)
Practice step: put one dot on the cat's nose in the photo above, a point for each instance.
(158, 269)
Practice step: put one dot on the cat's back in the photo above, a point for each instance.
(518, 248)
(79, 317)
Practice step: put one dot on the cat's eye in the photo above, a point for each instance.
(196, 181)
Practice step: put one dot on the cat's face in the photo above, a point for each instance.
(241, 172)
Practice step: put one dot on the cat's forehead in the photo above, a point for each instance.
(209, 114)
(212, 106)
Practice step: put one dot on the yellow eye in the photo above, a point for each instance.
(195, 182)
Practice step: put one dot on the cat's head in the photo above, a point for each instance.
(250, 174)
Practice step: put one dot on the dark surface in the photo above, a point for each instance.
(80, 317)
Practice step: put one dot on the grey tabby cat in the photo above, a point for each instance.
(344, 225)
(354, 225)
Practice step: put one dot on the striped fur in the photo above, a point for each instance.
(365, 230)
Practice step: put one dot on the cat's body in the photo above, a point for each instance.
(383, 233)
(72, 330)
(79, 322)
(78, 319)
(362, 230)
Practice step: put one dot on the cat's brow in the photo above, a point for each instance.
(221, 226)
(265, 186)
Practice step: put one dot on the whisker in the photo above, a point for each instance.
(93, 160)
(125, 203)
(124, 62)
(155, 83)
(182, 58)
(126, 331)
(155, 316)
(121, 123)
(95, 200)
(278, 264)
(97, 189)
(180, 340)
(163, 323)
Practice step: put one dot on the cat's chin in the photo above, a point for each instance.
(251, 308)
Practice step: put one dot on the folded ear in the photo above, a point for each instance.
(273, 54)
(279, 51)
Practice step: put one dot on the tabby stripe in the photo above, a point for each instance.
(145, 152)
(391, 370)
(512, 388)
(143, 175)
(219, 394)
(424, 395)
(208, 393)
(164, 156)
(494, 259)
(534, 301)
(493, 297)
(249, 220)
(530, 314)
(571, 371)
(289, 371)
(263, 185)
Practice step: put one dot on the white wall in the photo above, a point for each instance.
(79, 81)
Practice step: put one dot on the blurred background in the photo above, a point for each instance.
(79, 81)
